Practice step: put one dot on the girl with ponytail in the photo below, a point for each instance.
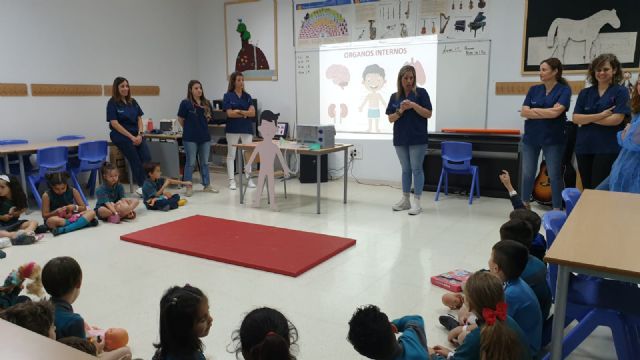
(497, 336)
(265, 334)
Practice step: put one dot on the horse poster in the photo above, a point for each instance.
(576, 32)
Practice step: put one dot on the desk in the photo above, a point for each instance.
(19, 343)
(600, 238)
(301, 151)
(31, 148)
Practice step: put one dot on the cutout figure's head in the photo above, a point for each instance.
(267, 129)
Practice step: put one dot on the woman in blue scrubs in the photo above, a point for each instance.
(409, 109)
(194, 115)
(124, 116)
(625, 172)
(600, 111)
(545, 112)
(240, 113)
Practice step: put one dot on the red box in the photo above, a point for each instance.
(451, 280)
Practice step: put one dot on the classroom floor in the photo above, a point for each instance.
(390, 266)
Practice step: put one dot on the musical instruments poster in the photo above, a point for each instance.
(338, 21)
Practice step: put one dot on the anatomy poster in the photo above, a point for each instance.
(577, 34)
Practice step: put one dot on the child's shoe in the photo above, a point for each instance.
(114, 219)
(94, 222)
(449, 322)
(182, 202)
(23, 239)
(5, 242)
(41, 229)
(166, 208)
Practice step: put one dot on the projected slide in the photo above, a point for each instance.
(357, 80)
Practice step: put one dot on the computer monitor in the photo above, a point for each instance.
(283, 130)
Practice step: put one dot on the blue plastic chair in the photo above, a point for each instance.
(583, 304)
(92, 155)
(14, 167)
(50, 160)
(570, 197)
(70, 137)
(456, 159)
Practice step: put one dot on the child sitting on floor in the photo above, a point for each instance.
(62, 279)
(373, 336)
(13, 203)
(184, 319)
(535, 273)
(497, 336)
(539, 245)
(265, 333)
(111, 204)
(154, 189)
(63, 208)
(36, 316)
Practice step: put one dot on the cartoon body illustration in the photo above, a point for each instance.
(373, 80)
(268, 152)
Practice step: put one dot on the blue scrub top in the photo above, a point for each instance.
(127, 115)
(595, 138)
(196, 125)
(410, 128)
(231, 101)
(546, 131)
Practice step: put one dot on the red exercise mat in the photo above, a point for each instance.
(268, 248)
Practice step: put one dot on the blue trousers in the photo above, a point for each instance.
(202, 151)
(411, 159)
(137, 156)
(172, 202)
(553, 157)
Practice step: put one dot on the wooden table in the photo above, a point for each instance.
(600, 238)
(301, 150)
(32, 148)
(19, 343)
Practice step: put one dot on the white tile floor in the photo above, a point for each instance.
(390, 266)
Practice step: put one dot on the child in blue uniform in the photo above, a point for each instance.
(241, 113)
(373, 336)
(265, 333)
(545, 110)
(63, 208)
(625, 172)
(535, 273)
(600, 111)
(13, 203)
(184, 320)
(154, 190)
(111, 204)
(497, 336)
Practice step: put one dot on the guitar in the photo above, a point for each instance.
(424, 27)
(542, 186)
(470, 4)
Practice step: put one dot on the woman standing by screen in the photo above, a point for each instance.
(409, 110)
(240, 112)
(600, 112)
(545, 112)
(124, 116)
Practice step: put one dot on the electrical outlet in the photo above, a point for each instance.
(356, 152)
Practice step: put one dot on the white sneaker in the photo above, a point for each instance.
(403, 204)
(251, 184)
(210, 189)
(5, 242)
(415, 208)
(139, 191)
(232, 185)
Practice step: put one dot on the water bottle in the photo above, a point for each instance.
(149, 125)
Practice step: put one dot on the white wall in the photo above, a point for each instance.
(91, 42)
(278, 96)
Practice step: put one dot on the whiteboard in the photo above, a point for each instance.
(462, 84)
